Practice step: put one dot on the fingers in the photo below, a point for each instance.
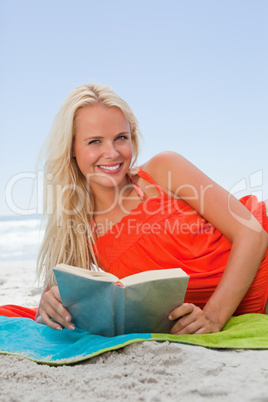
(192, 328)
(185, 308)
(52, 312)
(191, 320)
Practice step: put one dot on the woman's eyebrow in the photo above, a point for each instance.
(95, 137)
(123, 132)
(99, 137)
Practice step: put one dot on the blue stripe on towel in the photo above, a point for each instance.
(24, 337)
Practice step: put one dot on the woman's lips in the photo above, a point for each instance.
(110, 168)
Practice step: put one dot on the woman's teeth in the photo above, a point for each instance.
(110, 167)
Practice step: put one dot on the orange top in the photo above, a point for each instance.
(166, 233)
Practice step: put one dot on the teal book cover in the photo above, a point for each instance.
(101, 304)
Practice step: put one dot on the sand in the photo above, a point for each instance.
(147, 371)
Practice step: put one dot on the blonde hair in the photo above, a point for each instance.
(68, 201)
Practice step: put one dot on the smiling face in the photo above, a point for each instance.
(102, 145)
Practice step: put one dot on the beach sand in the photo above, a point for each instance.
(146, 371)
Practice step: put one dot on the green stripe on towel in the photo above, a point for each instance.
(249, 331)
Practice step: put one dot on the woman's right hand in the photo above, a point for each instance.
(51, 311)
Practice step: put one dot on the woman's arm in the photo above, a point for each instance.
(179, 177)
(51, 311)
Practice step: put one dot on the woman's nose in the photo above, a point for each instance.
(110, 151)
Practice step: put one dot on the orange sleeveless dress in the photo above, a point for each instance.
(166, 233)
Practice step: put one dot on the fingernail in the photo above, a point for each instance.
(59, 328)
(67, 318)
(71, 327)
(170, 317)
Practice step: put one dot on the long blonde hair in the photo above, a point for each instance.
(68, 201)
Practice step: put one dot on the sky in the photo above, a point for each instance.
(195, 73)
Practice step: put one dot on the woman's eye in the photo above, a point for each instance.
(93, 142)
(122, 137)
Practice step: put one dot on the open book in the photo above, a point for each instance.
(104, 305)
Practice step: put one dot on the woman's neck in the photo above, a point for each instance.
(108, 198)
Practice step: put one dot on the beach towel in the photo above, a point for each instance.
(37, 342)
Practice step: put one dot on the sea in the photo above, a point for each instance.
(20, 239)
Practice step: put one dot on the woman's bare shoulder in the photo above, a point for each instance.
(161, 165)
(158, 166)
(161, 161)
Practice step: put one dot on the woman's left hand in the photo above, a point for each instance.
(192, 320)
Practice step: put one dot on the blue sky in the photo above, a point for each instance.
(195, 73)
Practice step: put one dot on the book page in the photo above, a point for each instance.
(86, 273)
(148, 276)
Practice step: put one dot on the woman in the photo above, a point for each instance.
(163, 214)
